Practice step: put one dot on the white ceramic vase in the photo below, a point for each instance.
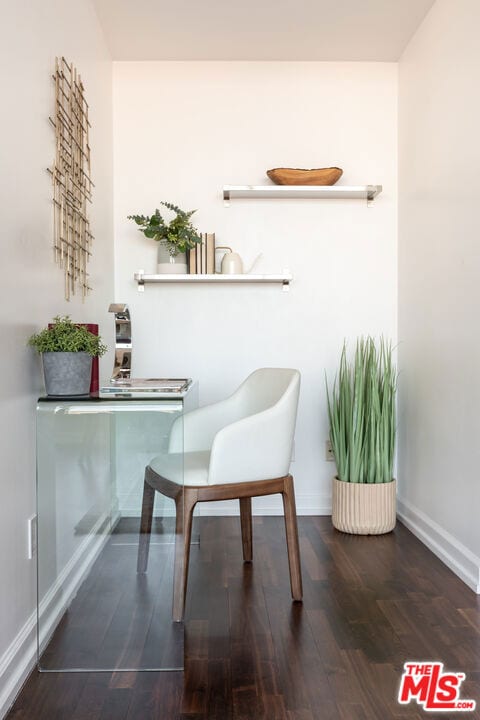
(171, 264)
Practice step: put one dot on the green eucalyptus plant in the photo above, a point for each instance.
(362, 413)
(178, 236)
(65, 336)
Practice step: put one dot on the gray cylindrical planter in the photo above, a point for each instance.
(364, 508)
(67, 373)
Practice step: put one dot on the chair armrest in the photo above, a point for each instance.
(257, 447)
(196, 430)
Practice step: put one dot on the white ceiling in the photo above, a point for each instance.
(376, 30)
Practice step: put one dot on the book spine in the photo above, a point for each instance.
(204, 254)
(198, 256)
(192, 261)
(94, 380)
(210, 253)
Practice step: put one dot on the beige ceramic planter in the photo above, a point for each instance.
(364, 508)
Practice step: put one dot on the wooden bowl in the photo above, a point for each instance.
(297, 176)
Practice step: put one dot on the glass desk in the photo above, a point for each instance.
(94, 611)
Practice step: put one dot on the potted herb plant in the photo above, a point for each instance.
(362, 414)
(175, 238)
(67, 350)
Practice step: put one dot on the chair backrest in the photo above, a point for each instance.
(266, 387)
(267, 403)
(258, 446)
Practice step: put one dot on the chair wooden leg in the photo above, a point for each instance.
(246, 523)
(291, 529)
(185, 504)
(145, 527)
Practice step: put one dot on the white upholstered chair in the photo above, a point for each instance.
(238, 448)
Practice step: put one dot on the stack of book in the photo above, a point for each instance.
(146, 387)
(201, 260)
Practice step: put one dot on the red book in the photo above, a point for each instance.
(94, 382)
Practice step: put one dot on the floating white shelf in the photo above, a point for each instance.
(284, 279)
(319, 192)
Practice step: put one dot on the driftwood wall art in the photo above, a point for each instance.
(72, 186)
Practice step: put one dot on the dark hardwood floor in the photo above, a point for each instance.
(370, 604)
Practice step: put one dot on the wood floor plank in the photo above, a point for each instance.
(219, 690)
(116, 705)
(93, 697)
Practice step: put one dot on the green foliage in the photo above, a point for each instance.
(66, 336)
(362, 415)
(178, 236)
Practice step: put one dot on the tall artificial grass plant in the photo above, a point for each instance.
(362, 413)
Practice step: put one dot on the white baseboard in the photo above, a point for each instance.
(307, 504)
(20, 657)
(446, 547)
(16, 663)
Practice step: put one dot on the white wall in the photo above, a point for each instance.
(183, 130)
(31, 292)
(439, 291)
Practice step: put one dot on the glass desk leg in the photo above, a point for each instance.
(95, 611)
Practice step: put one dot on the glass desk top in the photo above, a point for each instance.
(95, 612)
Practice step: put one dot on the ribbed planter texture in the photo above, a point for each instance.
(171, 264)
(364, 508)
(67, 373)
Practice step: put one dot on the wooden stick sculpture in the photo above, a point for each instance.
(72, 186)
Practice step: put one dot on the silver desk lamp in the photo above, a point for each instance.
(121, 382)
(122, 367)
